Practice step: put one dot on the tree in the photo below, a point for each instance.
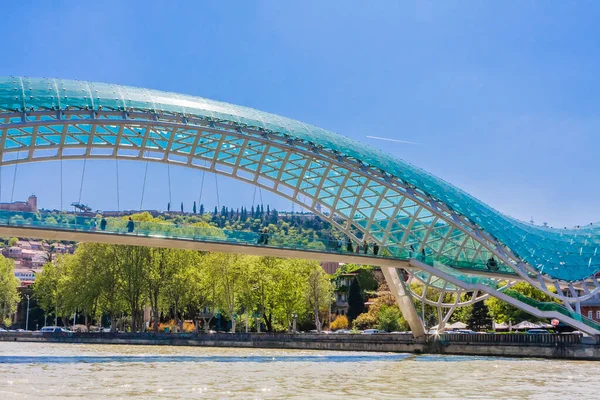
(159, 271)
(182, 206)
(51, 288)
(13, 241)
(480, 319)
(9, 297)
(204, 293)
(356, 303)
(318, 293)
(504, 312)
(290, 277)
(168, 206)
(265, 288)
(133, 262)
(178, 287)
(229, 266)
(384, 300)
(194, 207)
(390, 319)
(103, 275)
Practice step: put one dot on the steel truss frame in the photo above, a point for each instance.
(351, 196)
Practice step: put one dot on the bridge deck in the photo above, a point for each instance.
(142, 239)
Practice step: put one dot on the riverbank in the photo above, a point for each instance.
(568, 347)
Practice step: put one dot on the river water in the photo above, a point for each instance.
(44, 370)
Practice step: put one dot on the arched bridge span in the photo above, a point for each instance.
(361, 191)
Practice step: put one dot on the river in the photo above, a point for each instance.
(46, 370)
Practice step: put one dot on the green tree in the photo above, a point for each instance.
(178, 285)
(13, 241)
(229, 282)
(265, 287)
(159, 270)
(383, 300)
(9, 297)
(102, 273)
(133, 262)
(356, 302)
(318, 291)
(290, 286)
(480, 318)
(504, 312)
(390, 319)
(52, 288)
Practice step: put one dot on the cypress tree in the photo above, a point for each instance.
(201, 209)
(356, 303)
(194, 208)
(480, 319)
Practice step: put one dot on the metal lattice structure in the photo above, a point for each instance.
(361, 191)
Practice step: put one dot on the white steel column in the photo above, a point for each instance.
(404, 300)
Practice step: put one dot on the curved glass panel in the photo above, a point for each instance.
(569, 254)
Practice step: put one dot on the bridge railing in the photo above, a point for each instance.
(524, 338)
(74, 222)
(549, 306)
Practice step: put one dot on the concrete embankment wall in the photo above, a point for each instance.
(552, 347)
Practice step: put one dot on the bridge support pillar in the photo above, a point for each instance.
(405, 301)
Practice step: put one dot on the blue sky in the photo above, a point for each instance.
(502, 97)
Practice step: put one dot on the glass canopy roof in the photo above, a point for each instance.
(568, 254)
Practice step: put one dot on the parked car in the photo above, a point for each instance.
(343, 331)
(465, 331)
(537, 331)
(55, 330)
(372, 331)
(2, 330)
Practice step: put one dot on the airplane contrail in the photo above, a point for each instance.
(393, 140)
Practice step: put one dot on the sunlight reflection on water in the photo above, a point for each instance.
(31, 370)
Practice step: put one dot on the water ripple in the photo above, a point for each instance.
(199, 359)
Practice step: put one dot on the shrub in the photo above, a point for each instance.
(341, 322)
(364, 321)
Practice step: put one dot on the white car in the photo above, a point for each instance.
(53, 329)
(371, 331)
(343, 331)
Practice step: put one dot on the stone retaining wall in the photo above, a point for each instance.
(376, 343)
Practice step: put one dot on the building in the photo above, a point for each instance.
(591, 308)
(341, 289)
(22, 206)
(330, 266)
(12, 252)
(26, 277)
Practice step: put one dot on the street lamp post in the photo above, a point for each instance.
(294, 316)
(27, 314)
(330, 292)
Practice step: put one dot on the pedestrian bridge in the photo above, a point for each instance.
(363, 192)
(474, 277)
